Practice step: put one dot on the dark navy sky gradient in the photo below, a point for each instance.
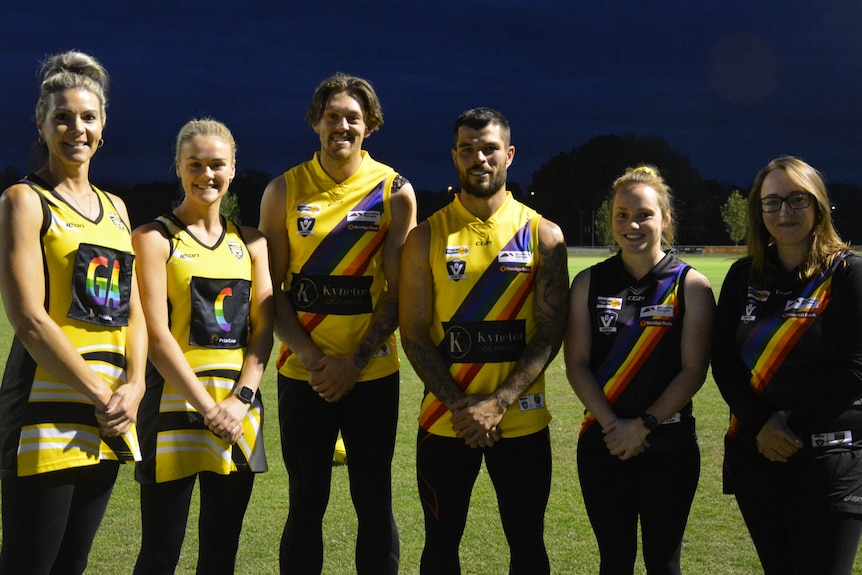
(730, 84)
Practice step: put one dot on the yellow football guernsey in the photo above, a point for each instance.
(46, 425)
(209, 295)
(483, 275)
(335, 277)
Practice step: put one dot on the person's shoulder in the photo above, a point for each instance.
(401, 185)
(251, 235)
(550, 234)
(740, 266)
(850, 265)
(19, 191)
(150, 229)
(421, 232)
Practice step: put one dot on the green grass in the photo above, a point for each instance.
(716, 540)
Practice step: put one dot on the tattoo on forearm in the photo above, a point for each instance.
(430, 368)
(383, 323)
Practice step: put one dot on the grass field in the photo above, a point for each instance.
(716, 540)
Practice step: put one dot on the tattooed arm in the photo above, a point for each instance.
(416, 313)
(477, 415)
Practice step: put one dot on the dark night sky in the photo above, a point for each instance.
(730, 84)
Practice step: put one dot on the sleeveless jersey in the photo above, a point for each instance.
(209, 294)
(335, 277)
(483, 318)
(636, 337)
(45, 424)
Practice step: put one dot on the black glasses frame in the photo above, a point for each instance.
(796, 201)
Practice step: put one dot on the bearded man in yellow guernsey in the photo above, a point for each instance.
(487, 279)
(335, 226)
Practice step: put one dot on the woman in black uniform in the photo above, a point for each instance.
(787, 357)
(637, 350)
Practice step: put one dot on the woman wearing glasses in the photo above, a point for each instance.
(787, 357)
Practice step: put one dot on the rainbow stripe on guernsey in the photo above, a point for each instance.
(768, 344)
(635, 344)
(478, 305)
(330, 255)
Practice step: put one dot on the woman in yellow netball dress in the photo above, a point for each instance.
(207, 295)
(75, 373)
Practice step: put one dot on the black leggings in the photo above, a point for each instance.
(165, 512)
(657, 487)
(795, 534)
(368, 419)
(520, 469)
(51, 519)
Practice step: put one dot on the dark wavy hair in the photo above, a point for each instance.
(358, 88)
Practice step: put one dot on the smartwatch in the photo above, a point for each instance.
(649, 422)
(245, 395)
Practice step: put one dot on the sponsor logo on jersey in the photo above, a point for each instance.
(802, 304)
(186, 256)
(603, 302)
(758, 294)
(658, 310)
(495, 341)
(308, 209)
(363, 216)
(514, 257)
(462, 251)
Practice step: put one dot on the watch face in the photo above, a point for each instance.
(649, 421)
(246, 394)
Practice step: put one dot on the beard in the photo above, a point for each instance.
(496, 182)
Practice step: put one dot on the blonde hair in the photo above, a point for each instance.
(204, 127)
(826, 244)
(67, 70)
(648, 175)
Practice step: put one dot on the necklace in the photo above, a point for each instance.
(86, 213)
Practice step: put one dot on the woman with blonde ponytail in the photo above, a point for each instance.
(75, 374)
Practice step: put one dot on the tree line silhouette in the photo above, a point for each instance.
(569, 189)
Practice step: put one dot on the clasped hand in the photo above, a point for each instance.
(224, 419)
(775, 441)
(119, 414)
(475, 419)
(625, 438)
(333, 377)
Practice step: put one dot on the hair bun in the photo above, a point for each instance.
(75, 63)
(648, 170)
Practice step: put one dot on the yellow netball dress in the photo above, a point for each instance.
(209, 295)
(483, 318)
(46, 425)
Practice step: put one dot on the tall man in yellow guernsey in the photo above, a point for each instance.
(335, 226)
(488, 282)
